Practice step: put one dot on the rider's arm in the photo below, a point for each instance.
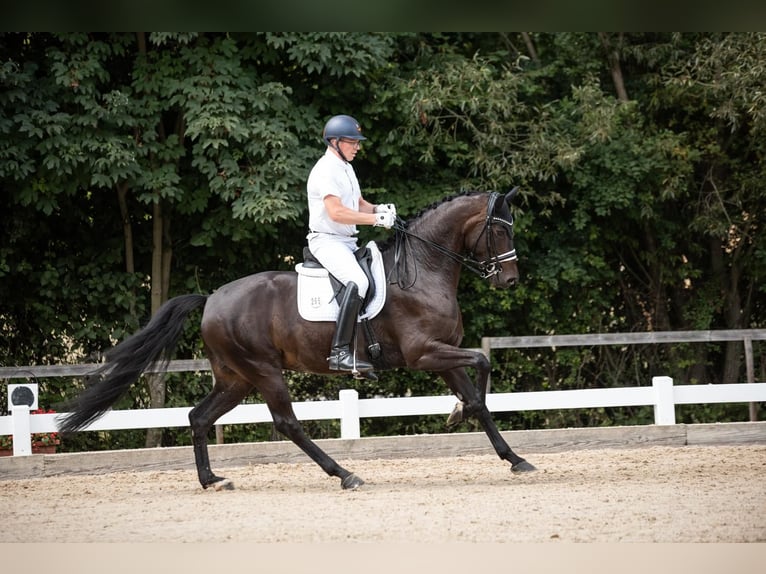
(339, 213)
(365, 206)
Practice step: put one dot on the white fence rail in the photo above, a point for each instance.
(350, 409)
(745, 336)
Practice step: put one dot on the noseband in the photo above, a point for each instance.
(484, 269)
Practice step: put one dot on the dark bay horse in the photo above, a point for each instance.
(252, 331)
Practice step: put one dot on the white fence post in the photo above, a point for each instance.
(349, 413)
(22, 399)
(664, 403)
(22, 435)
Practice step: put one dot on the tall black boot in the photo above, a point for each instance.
(341, 357)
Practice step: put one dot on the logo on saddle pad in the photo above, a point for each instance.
(316, 301)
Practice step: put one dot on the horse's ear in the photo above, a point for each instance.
(511, 194)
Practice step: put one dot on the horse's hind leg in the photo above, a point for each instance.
(474, 405)
(277, 397)
(227, 392)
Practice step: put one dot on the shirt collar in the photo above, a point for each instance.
(329, 152)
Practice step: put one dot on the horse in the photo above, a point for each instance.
(252, 331)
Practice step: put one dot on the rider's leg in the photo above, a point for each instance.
(337, 256)
(342, 357)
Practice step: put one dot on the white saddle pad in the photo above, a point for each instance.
(315, 294)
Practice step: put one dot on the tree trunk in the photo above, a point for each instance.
(732, 313)
(657, 296)
(530, 46)
(167, 256)
(160, 267)
(613, 56)
(127, 233)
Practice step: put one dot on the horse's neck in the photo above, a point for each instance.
(443, 226)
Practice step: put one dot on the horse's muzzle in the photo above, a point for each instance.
(505, 280)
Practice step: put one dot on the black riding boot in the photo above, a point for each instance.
(341, 357)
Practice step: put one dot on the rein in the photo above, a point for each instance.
(484, 269)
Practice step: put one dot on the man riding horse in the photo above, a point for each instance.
(420, 327)
(336, 207)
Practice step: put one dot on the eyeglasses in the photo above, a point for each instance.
(355, 143)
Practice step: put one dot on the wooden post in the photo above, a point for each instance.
(22, 436)
(753, 407)
(664, 404)
(486, 349)
(218, 428)
(349, 413)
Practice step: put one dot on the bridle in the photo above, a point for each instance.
(483, 268)
(489, 267)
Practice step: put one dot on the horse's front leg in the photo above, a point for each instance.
(457, 357)
(474, 406)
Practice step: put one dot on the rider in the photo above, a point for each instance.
(336, 207)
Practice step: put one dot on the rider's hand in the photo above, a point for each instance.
(385, 219)
(385, 207)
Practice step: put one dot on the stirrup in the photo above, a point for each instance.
(365, 376)
(344, 360)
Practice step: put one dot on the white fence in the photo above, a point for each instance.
(349, 409)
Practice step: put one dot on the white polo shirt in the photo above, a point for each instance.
(331, 176)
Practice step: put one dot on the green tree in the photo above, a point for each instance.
(591, 127)
(145, 130)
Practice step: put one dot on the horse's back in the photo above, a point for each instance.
(257, 317)
(252, 294)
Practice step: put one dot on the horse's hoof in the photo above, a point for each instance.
(456, 416)
(523, 466)
(223, 484)
(351, 482)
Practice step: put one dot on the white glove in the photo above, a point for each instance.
(385, 207)
(385, 219)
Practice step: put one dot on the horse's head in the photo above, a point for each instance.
(486, 235)
(493, 247)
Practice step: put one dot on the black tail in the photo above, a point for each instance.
(152, 345)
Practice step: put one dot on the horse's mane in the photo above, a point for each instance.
(391, 240)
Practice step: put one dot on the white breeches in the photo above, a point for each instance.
(336, 254)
